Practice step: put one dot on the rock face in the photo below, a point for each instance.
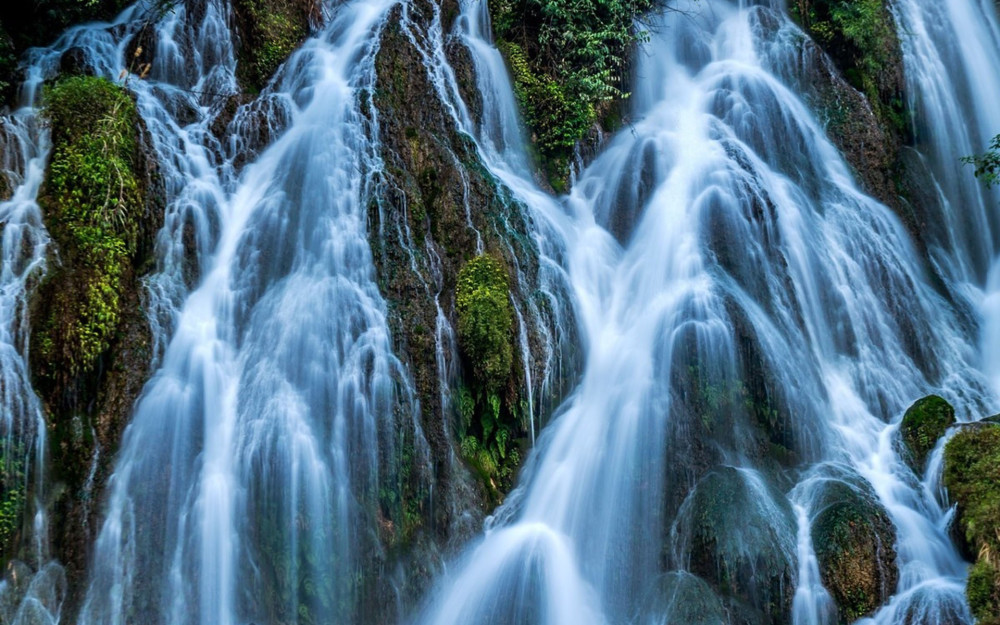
(102, 205)
(459, 272)
(854, 541)
(738, 533)
(972, 477)
(923, 424)
(822, 76)
(269, 31)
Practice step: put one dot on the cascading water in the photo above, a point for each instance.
(240, 492)
(746, 281)
(244, 486)
(24, 597)
(749, 224)
(950, 51)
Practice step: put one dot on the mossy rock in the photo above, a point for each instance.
(270, 30)
(923, 424)
(93, 202)
(860, 36)
(972, 477)
(737, 532)
(485, 320)
(680, 597)
(855, 545)
(983, 592)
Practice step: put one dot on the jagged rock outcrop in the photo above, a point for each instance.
(458, 269)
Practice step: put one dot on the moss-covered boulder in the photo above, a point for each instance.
(854, 541)
(972, 477)
(923, 424)
(737, 532)
(269, 31)
(680, 597)
(488, 419)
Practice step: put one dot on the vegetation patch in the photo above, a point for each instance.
(923, 424)
(488, 423)
(11, 498)
(860, 36)
(987, 164)
(270, 31)
(568, 59)
(972, 477)
(92, 202)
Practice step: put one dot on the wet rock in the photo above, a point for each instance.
(73, 62)
(923, 424)
(737, 532)
(139, 50)
(853, 124)
(269, 31)
(854, 541)
(90, 338)
(680, 597)
(245, 126)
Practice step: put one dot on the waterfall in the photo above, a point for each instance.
(950, 50)
(752, 327)
(749, 231)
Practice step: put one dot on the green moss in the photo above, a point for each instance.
(11, 498)
(854, 541)
(972, 477)
(923, 424)
(92, 202)
(488, 422)
(485, 320)
(861, 36)
(983, 592)
(271, 30)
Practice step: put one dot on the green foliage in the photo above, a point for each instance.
(987, 164)
(923, 424)
(567, 58)
(92, 201)
(861, 36)
(11, 496)
(488, 424)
